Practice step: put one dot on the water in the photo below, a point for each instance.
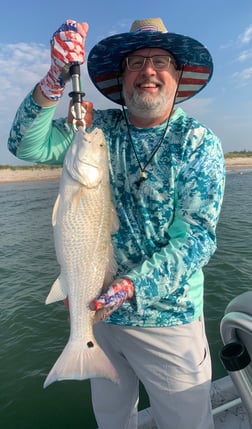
(32, 334)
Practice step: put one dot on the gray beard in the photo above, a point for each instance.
(145, 106)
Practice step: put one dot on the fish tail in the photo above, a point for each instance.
(57, 292)
(80, 361)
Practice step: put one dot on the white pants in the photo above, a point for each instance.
(174, 366)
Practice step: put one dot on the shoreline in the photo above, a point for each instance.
(238, 163)
(16, 174)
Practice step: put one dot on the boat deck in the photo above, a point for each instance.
(228, 410)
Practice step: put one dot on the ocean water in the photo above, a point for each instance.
(32, 334)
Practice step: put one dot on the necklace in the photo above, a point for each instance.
(143, 174)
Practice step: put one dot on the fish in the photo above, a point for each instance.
(83, 220)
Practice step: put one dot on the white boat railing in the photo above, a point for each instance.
(236, 334)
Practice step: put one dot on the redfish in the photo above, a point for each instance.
(83, 220)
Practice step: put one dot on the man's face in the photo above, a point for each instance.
(148, 92)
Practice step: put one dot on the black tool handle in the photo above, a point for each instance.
(76, 93)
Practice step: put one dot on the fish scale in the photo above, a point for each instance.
(83, 220)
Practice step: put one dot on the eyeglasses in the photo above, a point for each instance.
(158, 62)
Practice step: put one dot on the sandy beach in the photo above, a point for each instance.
(29, 174)
(40, 174)
(239, 163)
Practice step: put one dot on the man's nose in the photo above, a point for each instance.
(148, 66)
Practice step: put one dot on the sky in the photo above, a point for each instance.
(224, 27)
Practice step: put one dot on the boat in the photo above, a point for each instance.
(227, 408)
(231, 395)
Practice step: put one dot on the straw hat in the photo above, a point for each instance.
(105, 58)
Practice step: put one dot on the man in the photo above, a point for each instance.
(167, 183)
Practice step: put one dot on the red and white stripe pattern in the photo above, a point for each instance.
(193, 79)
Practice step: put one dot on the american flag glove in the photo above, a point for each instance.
(113, 298)
(67, 48)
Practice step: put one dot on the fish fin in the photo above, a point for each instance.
(58, 291)
(76, 200)
(55, 210)
(114, 220)
(80, 361)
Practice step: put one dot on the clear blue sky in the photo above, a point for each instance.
(225, 27)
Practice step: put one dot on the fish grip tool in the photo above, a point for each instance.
(77, 109)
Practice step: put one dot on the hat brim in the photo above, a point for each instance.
(105, 58)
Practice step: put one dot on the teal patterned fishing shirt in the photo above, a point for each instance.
(167, 224)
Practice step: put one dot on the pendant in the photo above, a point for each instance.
(143, 176)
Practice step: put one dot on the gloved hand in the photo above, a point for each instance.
(113, 298)
(67, 48)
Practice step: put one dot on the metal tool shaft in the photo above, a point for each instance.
(76, 94)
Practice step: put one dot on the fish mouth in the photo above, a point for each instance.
(87, 173)
(88, 163)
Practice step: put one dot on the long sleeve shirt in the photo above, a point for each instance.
(167, 224)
